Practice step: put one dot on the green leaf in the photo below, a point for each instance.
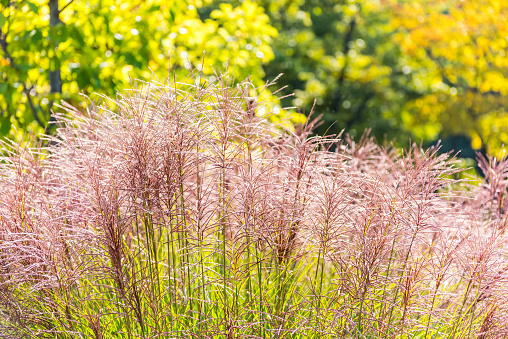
(24, 68)
(83, 78)
(131, 60)
(37, 37)
(6, 126)
(154, 8)
(59, 33)
(33, 7)
(77, 35)
(7, 96)
(3, 19)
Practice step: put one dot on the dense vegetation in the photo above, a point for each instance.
(179, 210)
(208, 207)
(419, 69)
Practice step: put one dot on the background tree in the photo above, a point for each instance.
(420, 69)
(52, 50)
(456, 52)
(342, 54)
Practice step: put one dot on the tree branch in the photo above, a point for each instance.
(346, 49)
(32, 106)
(67, 5)
(3, 44)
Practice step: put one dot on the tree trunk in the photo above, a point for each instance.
(55, 78)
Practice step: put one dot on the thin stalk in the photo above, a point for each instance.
(259, 267)
(403, 270)
(203, 304)
(176, 306)
(432, 306)
(170, 255)
(140, 242)
(184, 223)
(458, 318)
(248, 287)
(367, 280)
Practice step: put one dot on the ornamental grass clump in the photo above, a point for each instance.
(180, 211)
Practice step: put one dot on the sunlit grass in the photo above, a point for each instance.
(184, 214)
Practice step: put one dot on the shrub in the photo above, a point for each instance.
(183, 212)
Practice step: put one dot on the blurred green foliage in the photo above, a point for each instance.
(406, 69)
(99, 46)
(341, 54)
